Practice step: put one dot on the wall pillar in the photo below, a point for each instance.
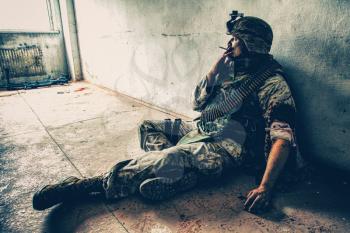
(71, 38)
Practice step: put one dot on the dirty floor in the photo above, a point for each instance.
(79, 129)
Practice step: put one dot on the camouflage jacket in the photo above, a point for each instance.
(267, 114)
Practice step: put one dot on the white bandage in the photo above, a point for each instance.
(281, 130)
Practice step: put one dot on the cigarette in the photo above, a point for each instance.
(222, 48)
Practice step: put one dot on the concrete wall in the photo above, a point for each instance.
(51, 44)
(156, 50)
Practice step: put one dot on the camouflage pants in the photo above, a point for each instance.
(163, 158)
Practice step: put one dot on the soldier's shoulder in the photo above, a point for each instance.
(278, 76)
(275, 80)
(275, 86)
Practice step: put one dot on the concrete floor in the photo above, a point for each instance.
(51, 133)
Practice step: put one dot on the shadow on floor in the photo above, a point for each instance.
(67, 217)
(312, 206)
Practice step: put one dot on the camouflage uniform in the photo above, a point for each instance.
(163, 158)
(265, 115)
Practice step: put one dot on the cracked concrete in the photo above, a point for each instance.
(50, 133)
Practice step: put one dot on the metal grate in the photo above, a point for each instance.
(22, 61)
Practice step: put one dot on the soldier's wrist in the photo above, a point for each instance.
(266, 186)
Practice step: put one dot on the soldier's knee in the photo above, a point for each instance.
(176, 157)
(210, 165)
(171, 164)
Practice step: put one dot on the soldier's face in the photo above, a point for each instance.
(236, 45)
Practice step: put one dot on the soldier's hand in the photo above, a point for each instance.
(221, 64)
(258, 199)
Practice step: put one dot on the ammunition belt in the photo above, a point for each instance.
(233, 101)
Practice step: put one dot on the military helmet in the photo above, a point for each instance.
(254, 32)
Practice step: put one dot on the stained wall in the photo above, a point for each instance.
(157, 50)
(51, 43)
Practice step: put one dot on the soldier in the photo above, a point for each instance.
(244, 123)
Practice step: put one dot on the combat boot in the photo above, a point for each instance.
(69, 189)
(161, 188)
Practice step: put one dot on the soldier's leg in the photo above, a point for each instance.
(202, 162)
(121, 181)
(162, 174)
(155, 135)
(176, 169)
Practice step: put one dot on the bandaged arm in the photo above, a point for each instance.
(281, 130)
(282, 138)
